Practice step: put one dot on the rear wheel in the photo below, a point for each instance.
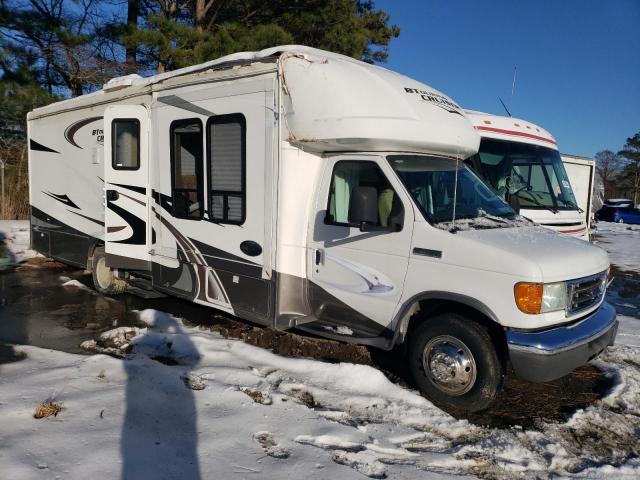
(454, 362)
(621, 220)
(104, 279)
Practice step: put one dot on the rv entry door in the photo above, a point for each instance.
(126, 182)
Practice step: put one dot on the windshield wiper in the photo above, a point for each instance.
(535, 200)
(569, 203)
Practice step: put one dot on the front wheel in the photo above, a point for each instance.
(621, 220)
(454, 362)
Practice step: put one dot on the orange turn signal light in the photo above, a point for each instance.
(528, 297)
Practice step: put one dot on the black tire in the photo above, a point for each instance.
(104, 279)
(475, 388)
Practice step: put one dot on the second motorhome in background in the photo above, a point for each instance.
(522, 164)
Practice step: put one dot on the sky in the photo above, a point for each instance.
(577, 61)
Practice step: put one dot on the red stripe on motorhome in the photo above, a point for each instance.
(517, 134)
(576, 230)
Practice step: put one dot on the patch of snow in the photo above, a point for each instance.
(622, 242)
(340, 330)
(15, 237)
(141, 415)
(76, 284)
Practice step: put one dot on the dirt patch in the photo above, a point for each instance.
(520, 403)
(40, 262)
(257, 396)
(290, 344)
(47, 409)
(528, 404)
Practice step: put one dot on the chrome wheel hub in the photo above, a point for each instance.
(448, 362)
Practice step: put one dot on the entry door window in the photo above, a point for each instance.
(186, 169)
(350, 174)
(125, 146)
(227, 168)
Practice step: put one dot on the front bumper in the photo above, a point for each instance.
(549, 354)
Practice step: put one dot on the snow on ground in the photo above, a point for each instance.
(622, 242)
(14, 242)
(188, 403)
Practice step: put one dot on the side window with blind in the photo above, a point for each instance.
(125, 144)
(226, 139)
(186, 169)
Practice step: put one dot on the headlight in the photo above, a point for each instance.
(537, 298)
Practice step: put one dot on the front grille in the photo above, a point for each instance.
(584, 293)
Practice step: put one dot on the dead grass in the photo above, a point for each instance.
(47, 409)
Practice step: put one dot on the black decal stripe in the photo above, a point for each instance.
(99, 222)
(33, 145)
(133, 188)
(63, 199)
(139, 227)
(163, 200)
(71, 130)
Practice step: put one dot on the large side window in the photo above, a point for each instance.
(125, 144)
(227, 168)
(186, 168)
(350, 174)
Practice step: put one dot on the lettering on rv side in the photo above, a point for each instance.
(435, 99)
(99, 134)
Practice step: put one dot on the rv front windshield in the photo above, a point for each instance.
(534, 174)
(447, 191)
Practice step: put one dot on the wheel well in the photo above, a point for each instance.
(430, 308)
(92, 248)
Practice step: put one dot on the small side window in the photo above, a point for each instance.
(350, 174)
(186, 169)
(125, 144)
(226, 138)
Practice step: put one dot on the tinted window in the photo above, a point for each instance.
(227, 152)
(125, 144)
(350, 174)
(186, 166)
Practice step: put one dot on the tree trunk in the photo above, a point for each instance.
(133, 10)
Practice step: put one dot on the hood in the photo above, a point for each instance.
(557, 257)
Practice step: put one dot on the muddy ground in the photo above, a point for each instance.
(35, 309)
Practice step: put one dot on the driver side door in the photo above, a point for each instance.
(356, 277)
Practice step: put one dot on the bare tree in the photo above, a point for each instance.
(608, 166)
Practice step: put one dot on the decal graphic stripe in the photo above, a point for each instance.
(63, 199)
(516, 134)
(99, 222)
(116, 229)
(74, 127)
(141, 190)
(139, 227)
(33, 145)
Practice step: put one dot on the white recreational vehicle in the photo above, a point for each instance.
(298, 188)
(582, 176)
(520, 161)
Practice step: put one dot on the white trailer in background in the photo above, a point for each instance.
(581, 172)
(521, 163)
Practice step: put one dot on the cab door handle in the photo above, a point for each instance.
(318, 256)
